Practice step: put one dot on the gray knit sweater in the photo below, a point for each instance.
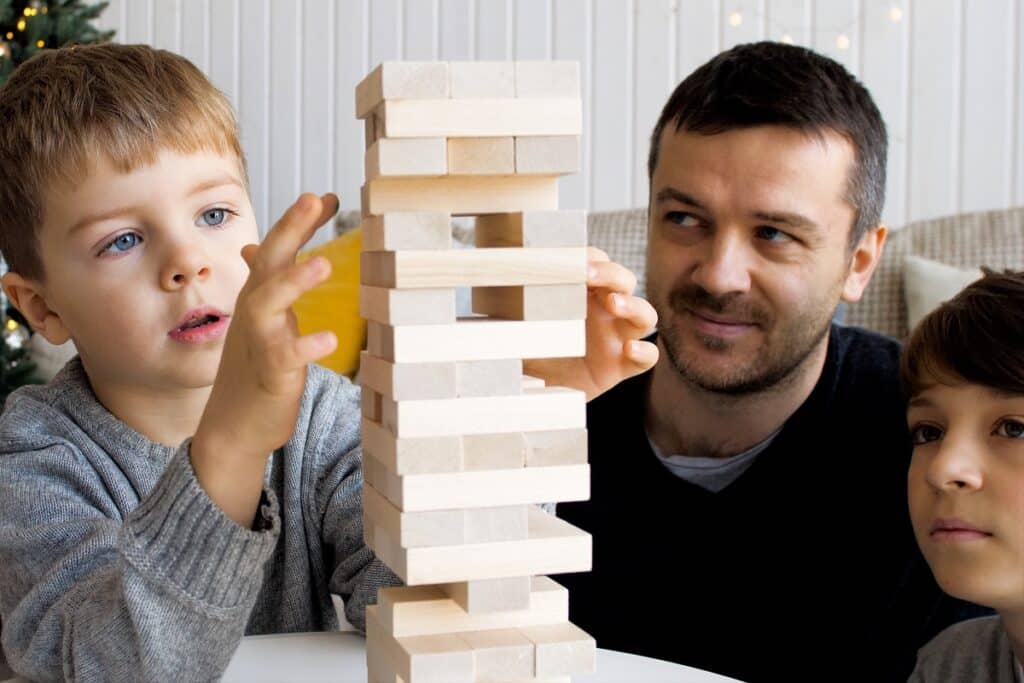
(116, 566)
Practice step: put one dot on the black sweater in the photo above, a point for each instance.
(804, 568)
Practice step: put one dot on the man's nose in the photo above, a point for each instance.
(957, 466)
(724, 266)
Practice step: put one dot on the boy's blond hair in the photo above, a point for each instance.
(126, 102)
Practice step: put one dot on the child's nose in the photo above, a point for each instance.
(957, 466)
(182, 267)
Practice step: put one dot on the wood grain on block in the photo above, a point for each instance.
(500, 377)
(548, 154)
(553, 547)
(565, 228)
(480, 118)
(554, 448)
(482, 79)
(406, 157)
(501, 654)
(412, 269)
(371, 404)
(405, 381)
(434, 658)
(425, 610)
(398, 231)
(407, 306)
(533, 411)
(460, 195)
(561, 649)
(547, 79)
(424, 455)
(491, 595)
(477, 489)
(477, 339)
(532, 302)
(506, 451)
(481, 156)
(392, 80)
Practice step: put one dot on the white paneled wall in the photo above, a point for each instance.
(946, 74)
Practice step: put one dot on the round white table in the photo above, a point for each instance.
(341, 658)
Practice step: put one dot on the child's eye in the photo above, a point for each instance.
(126, 241)
(924, 433)
(1010, 428)
(215, 217)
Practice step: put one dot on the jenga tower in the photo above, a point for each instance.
(459, 446)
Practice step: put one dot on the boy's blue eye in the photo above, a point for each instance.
(1011, 429)
(924, 433)
(214, 217)
(123, 242)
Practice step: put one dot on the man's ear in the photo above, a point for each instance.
(865, 258)
(28, 297)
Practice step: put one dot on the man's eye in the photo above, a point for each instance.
(924, 433)
(122, 243)
(215, 217)
(770, 234)
(682, 219)
(1010, 428)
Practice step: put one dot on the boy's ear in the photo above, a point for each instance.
(27, 296)
(865, 258)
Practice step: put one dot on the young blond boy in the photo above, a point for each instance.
(964, 371)
(191, 477)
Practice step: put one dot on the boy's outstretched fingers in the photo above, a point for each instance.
(294, 229)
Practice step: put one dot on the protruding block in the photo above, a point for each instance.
(473, 267)
(534, 302)
(554, 448)
(489, 377)
(501, 654)
(481, 118)
(422, 455)
(491, 595)
(482, 156)
(478, 339)
(435, 658)
(424, 610)
(547, 79)
(371, 404)
(407, 306)
(482, 79)
(408, 381)
(399, 231)
(561, 649)
(407, 157)
(391, 80)
(460, 195)
(567, 228)
(493, 451)
(548, 154)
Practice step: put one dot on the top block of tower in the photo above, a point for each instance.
(401, 80)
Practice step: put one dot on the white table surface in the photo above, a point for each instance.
(340, 658)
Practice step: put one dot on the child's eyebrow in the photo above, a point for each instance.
(214, 182)
(920, 402)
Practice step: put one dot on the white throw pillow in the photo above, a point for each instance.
(927, 284)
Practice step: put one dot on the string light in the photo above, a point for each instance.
(40, 43)
(10, 36)
(843, 41)
(735, 19)
(12, 324)
(895, 14)
(21, 24)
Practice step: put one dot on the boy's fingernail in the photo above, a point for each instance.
(591, 272)
(617, 303)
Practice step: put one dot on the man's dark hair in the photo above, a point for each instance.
(773, 83)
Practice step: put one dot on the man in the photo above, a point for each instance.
(748, 502)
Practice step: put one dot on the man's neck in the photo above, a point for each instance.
(686, 419)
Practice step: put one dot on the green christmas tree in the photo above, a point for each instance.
(28, 26)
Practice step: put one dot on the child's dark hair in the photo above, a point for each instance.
(976, 337)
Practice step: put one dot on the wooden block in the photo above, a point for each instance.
(500, 655)
(406, 157)
(505, 451)
(407, 306)
(408, 381)
(495, 525)
(371, 403)
(391, 80)
(547, 79)
(478, 489)
(483, 118)
(378, 665)
(561, 649)
(544, 409)
(424, 455)
(424, 610)
(399, 231)
(548, 154)
(532, 383)
(553, 547)
(478, 339)
(481, 156)
(474, 267)
(488, 377)
(460, 195)
(435, 658)
(554, 448)
(372, 129)
(532, 302)
(491, 595)
(564, 228)
(482, 79)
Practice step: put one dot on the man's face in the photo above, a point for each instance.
(130, 257)
(748, 251)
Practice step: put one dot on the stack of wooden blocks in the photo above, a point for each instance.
(460, 448)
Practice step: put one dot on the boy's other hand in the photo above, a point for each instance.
(616, 322)
(255, 398)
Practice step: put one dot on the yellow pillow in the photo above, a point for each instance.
(334, 305)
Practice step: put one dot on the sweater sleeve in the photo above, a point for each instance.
(163, 594)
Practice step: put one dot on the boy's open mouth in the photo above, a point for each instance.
(199, 322)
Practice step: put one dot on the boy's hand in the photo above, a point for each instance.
(255, 398)
(616, 321)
